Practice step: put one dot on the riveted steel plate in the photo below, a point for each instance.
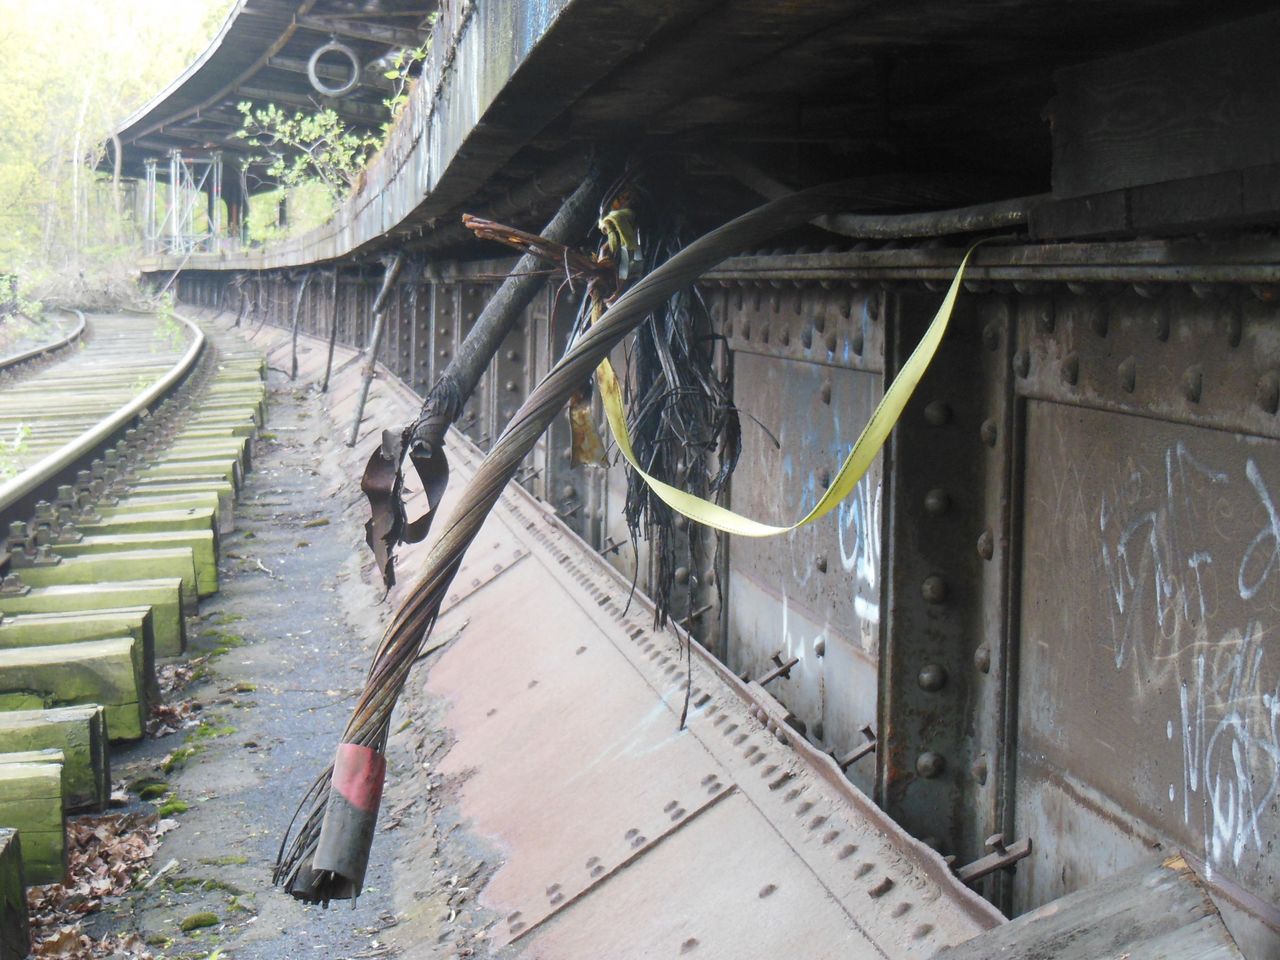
(813, 593)
(565, 706)
(1149, 683)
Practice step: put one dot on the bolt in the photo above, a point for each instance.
(982, 658)
(930, 764)
(1070, 369)
(934, 589)
(989, 432)
(1193, 383)
(932, 677)
(937, 413)
(936, 502)
(1128, 371)
(1268, 391)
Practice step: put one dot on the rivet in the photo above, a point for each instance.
(1128, 372)
(1021, 363)
(785, 337)
(934, 589)
(980, 769)
(991, 336)
(982, 658)
(1193, 383)
(881, 888)
(821, 564)
(512, 386)
(831, 343)
(1045, 320)
(856, 342)
(681, 575)
(1162, 326)
(1235, 330)
(937, 413)
(806, 339)
(1099, 323)
(824, 477)
(1070, 369)
(767, 890)
(930, 764)
(989, 432)
(986, 545)
(820, 648)
(936, 502)
(1268, 391)
(932, 677)
(513, 355)
(568, 491)
(826, 391)
(1148, 291)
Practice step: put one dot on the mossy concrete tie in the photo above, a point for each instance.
(53, 629)
(202, 543)
(164, 564)
(31, 803)
(226, 469)
(15, 930)
(91, 672)
(140, 521)
(142, 495)
(163, 597)
(81, 734)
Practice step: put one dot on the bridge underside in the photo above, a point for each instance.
(1049, 599)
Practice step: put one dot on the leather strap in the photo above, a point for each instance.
(383, 483)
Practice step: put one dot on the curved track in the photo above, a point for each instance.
(54, 417)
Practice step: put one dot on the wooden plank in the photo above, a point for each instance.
(1202, 104)
(1149, 913)
(93, 672)
(80, 733)
(15, 933)
(31, 803)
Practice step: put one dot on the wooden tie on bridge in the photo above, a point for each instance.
(101, 565)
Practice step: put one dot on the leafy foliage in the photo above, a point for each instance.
(306, 146)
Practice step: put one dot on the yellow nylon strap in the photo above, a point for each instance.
(855, 464)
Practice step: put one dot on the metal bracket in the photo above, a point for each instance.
(1000, 858)
(860, 751)
(780, 669)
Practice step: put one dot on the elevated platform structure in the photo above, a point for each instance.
(1048, 600)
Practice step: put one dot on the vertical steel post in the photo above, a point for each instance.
(375, 340)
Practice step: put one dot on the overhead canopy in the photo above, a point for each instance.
(261, 55)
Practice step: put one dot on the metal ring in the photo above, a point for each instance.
(333, 46)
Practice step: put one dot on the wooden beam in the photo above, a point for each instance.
(354, 111)
(368, 78)
(362, 30)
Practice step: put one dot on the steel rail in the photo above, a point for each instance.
(40, 473)
(8, 363)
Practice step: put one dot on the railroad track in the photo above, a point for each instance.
(120, 469)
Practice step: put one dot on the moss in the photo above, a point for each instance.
(222, 618)
(198, 920)
(303, 543)
(245, 687)
(226, 860)
(178, 759)
(317, 522)
(268, 437)
(207, 731)
(172, 807)
(153, 790)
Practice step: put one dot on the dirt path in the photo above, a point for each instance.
(284, 665)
